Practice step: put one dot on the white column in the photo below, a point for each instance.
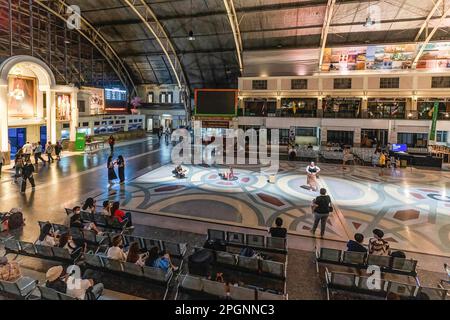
(4, 118)
(48, 113)
(52, 117)
(74, 117)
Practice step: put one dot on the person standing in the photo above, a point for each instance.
(312, 170)
(49, 150)
(111, 171)
(58, 150)
(27, 150)
(2, 161)
(38, 154)
(321, 208)
(111, 142)
(27, 174)
(121, 168)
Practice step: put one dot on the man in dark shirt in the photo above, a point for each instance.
(278, 231)
(357, 244)
(321, 208)
(27, 174)
(54, 279)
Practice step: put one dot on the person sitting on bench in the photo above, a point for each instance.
(357, 244)
(179, 172)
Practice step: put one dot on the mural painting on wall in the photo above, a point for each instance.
(63, 107)
(21, 96)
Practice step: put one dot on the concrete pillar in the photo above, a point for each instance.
(4, 146)
(357, 137)
(278, 103)
(364, 103)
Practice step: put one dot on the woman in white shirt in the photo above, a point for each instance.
(47, 238)
(312, 170)
(116, 252)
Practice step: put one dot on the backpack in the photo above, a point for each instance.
(15, 220)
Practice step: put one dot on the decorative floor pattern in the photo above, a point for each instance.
(412, 207)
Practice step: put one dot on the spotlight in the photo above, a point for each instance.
(191, 36)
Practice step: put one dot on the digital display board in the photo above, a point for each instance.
(216, 102)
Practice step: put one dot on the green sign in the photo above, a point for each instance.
(434, 122)
(80, 141)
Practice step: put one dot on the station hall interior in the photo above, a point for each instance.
(116, 160)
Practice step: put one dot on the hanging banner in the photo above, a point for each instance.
(434, 122)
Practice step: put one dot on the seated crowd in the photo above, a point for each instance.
(376, 246)
(154, 258)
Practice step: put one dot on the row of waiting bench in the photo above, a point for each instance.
(259, 242)
(100, 220)
(255, 265)
(352, 283)
(105, 239)
(360, 260)
(200, 286)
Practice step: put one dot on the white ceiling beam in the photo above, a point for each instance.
(151, 22)
(232, 17)
(427, 20)
(325, 29)
(429, 37)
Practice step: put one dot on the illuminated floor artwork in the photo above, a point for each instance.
(411, 206)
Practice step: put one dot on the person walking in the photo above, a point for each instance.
(111, 171)
(18, 166)
(2, 161)
(38, 153)
(111, 142)
(49, 150)
(27, 150)
(121, 168)
(321, 208)
(58, 150)
(27, 174)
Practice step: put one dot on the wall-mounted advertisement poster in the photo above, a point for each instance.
(63, 107)
(21, 97)
(435, 56)
(339, 59)
(97, 101)
(392, 57)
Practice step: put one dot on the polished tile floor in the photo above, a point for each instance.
(411, 206)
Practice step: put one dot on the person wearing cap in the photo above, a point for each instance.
(377, 245)
(9, 271)
(55, 279)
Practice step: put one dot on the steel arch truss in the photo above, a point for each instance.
(60, 8)
(232, 17)
(151, 22)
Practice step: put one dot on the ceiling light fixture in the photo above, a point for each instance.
(191, 36)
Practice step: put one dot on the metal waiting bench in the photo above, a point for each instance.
(100, 220)
(198, 285)
(177, 250)
(360, 260)
(29, 249)
(352, 283)
(89, 236)
(119, 268)
(22, 288)
(50, 294)
(259, 242)
(255, 265)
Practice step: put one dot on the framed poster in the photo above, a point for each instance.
(96, 101)
(63, 107)
(21, 96)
